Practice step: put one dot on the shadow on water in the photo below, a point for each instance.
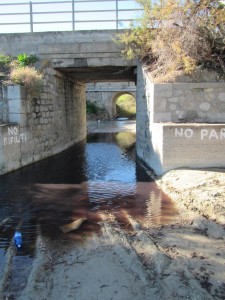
(96, 175)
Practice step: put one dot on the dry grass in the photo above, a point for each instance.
(27, 77)
(178, 37)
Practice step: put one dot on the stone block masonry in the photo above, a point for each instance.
(56, 119)
(40, 127)
(202, 102)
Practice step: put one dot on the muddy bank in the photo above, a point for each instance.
(183, 260)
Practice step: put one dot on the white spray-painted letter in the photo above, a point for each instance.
(204, 133)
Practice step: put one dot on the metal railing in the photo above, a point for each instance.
(78, 14)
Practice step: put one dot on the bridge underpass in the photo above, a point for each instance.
(107, 74)
(101, 73)
(56, 118)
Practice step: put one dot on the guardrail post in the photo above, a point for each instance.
(31, 18)
(117, 15)
(73, 16)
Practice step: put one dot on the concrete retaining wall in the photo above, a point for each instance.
(13, 140)
(193, 145)
(180, 124)
(143, 138)
(39, 127)
(3, 104)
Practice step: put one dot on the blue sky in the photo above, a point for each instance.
(98, 10)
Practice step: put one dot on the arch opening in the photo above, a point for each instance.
(125, 105)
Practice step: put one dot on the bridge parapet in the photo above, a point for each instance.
(47, 43)
(86, 55)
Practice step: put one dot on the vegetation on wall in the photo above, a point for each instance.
(4, 66)
(5, 60)
(91, 108)
(27, 77)
(21, 71)
(175, 37)
(95, 112)
(26, 60)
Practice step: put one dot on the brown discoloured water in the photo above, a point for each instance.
(58, 204)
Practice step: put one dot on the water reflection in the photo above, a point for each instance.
(57, 204)
(106, 161)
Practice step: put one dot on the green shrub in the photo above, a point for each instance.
(26, 60)
(91, 108)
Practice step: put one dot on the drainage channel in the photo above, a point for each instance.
(96, 175)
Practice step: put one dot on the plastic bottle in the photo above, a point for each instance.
(18, 239)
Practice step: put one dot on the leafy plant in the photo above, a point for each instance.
(26, 60)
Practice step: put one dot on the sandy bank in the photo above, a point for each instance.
(202, 191)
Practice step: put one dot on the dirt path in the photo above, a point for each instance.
(185, 260)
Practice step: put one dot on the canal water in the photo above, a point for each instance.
(97, 175)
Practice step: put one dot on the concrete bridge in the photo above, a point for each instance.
(179, 124)
(84, 55)
(54, 120)
(87, 56)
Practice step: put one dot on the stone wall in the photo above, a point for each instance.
(57, 118)
(43, 126)
(189, 102)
